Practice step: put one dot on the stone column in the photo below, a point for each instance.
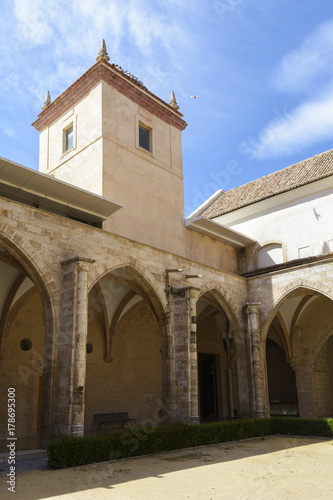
(305, 390)
(244, 380)
(185, 372)
(72, 347)
(255, 359)
(193, 362)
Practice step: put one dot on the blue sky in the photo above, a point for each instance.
(263, 70)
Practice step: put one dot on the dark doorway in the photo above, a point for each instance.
(207, 387)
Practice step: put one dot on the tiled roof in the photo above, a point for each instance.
(302, 173)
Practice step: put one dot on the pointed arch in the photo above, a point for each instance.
(299, 287)
(219, 357)
(133, 360)
(10, 310)
(226, 302)
(31, 264)
(152, 289)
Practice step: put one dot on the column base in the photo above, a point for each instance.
(76, 430)
(192, 420)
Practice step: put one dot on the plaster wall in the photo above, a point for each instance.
(304, 227)
(82, 164)
(148, 183)
(213, 253)
(152, 199)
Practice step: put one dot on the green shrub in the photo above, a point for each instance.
(70, 451)
(315, 427)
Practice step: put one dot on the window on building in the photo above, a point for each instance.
(144, 137)
(69, 138)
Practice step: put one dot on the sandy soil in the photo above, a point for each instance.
(268, 468)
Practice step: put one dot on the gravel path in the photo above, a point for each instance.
(274, 468)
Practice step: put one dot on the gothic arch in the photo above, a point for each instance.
(136, 336)
(38, 272)
(142, 275)
(225, 301)
(292, 290)
(224, 355)
(303, 326)
(10, 312)
(36, 268)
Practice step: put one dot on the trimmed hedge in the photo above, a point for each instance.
(314, 427)
(70, 451)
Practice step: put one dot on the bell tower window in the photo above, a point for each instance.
(144, 137)
(68, 138)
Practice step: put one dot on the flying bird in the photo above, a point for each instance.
(194, 96)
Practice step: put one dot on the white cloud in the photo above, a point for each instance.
(33, 20)
(55, 41)
(306, 125)
(304, 67)
(307, 71)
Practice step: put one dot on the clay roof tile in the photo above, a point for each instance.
(297, 175)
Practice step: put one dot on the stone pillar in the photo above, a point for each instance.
(255, 359)
(185, 370)
(305, 389)
(244, 380)
(70, 393)
(193, 362)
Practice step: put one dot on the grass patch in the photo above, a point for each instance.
(70, 451)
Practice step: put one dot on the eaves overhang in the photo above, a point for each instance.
(33, 188)
(218, 232)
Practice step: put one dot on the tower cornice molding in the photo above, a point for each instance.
(110, 74)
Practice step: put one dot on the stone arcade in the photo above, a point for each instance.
(111, 302)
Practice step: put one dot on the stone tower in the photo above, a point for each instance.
(108, 134)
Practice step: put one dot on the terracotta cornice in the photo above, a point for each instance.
(103, 71)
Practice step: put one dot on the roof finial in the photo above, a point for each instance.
(47, 101)
(173, 102)
(102, 54)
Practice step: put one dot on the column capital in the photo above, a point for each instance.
(77, 258)
(78, 263)
(184, 292)
(251, 307)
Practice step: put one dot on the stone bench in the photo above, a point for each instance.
(112, 418)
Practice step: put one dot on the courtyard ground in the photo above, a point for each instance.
(262, 468)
